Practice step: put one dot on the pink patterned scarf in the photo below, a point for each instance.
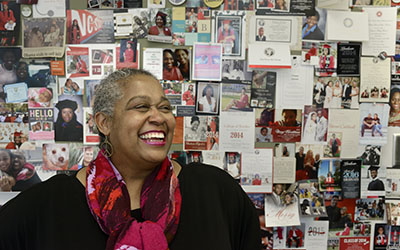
(109, 202)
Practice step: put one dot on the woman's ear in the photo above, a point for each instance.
(103, 123)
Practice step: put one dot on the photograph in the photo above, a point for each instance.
(314, 25)
(369, 154)
(327, 55)
(207, 98)
(308, 161)
(232, 162)
(68, 118)
(362, 228)
(369, 209)
(373, 123)
(176, 64)
(207, 61)
(329, 175)
(235, 97)
(235, 71)
(70, 86)
(229, 34)
(394, 103)
(140, 26)
(10, 23)
(160, 25)
(333, 147)
(40, 97)
(263, 89)
(55, 156)
(373, 179)
(282, 6)
(265, 4)
(315, 125)
(295, 236)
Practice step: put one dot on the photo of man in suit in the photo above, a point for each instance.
(261, 36)
(346, 92)
(275, 197)
(375, 184)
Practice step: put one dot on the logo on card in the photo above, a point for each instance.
(347, 22)
(269, 52)
(379, 13)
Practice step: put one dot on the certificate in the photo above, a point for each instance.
(152, 61)
(382, 31)
(17, 92)
(237, 134)
(347, 26)
(269, 55)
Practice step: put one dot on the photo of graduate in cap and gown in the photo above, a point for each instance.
(67, 127)
(375, 184)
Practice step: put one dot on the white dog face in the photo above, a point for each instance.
(57, 156)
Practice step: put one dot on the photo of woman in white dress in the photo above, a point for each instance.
(328, 95)
(310, 128)
(337, 96)
(354, 96)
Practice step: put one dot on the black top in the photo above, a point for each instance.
(215, 214)
(23, 185)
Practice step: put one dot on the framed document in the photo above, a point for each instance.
(16, 92)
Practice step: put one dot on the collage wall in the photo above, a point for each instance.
(298, 100)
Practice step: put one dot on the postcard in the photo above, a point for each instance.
(41, 125)
(347, 26)
(382, 31)
(10, 31)
(372, 181)
(375, 80)
(312, 202)
(293, 86)
(281, 206)
(160, 25)
(90, 131)
(314, 24)
(286, 126)
(284, 169)
(257, 169)
(40, 97)
(351, 178)
(41, 41)
(347, 123)
(329, 175)
(152, 61)
(327, 54)
(201, 133)
(348, 57)
(48, 8)
(207, 59)
(237, 134)
(102, 60)
(208, 95)
(77, 63)
(16, 92)
(362, 243)
(127, 54)
(57, 68)
(235, 71)
(274, 55)
(315, 125)
(373, 120)
(229, 29)
(90, 26)
(263, 89)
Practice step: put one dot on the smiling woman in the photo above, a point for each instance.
(132, 196)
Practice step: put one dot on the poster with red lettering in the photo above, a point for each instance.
(90, 26)
(354, 243)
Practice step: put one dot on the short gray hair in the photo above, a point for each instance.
(109, 91)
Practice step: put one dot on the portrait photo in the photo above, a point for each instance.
(160, 25)
(329, 175)
(281, 5)
(68, 118)
(228, 32)
(315, 125)
(128, 54)
(176, 64)
(207, 97)
(314, 25)
(9, 32)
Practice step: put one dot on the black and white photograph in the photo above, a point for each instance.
(235, 71)
(369, 154)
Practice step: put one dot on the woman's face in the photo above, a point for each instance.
(22, 71)
(68, 83)
(288, 199)
(168, 60)
(159, 21)
(326, 51)
(330, 84)
(128, 46)
(182, 57)
(195, 125)
(142, 126)
(311, 21)
(5, 161)
(208, 92)
(314, 117)
(337, 84)
(67, 114)
(75, 86)
(243, 91)
(395, 101)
